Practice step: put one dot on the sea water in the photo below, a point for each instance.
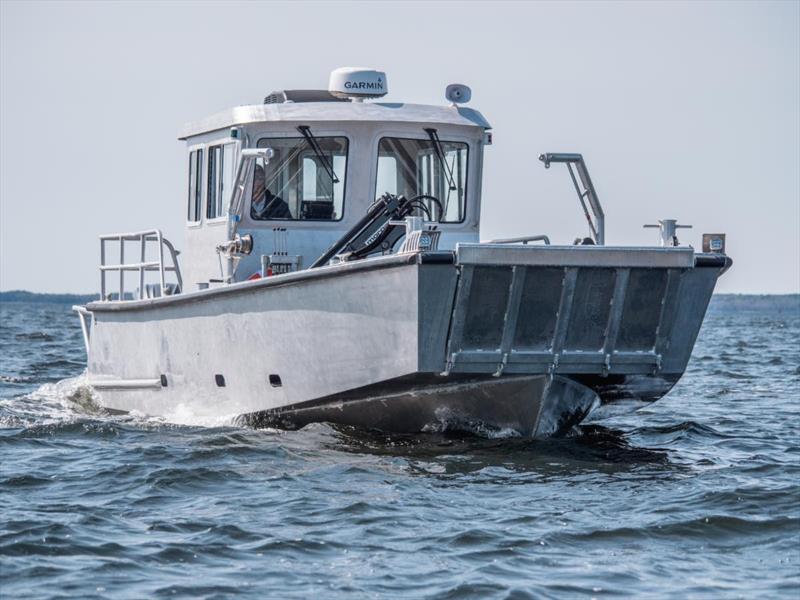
(697, 495)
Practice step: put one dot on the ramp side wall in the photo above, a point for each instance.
(689, 305)
(437, 289)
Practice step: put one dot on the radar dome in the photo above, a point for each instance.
(358, 83)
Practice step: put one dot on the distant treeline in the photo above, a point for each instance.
(23, 296)
(780, 303)
(723, 302)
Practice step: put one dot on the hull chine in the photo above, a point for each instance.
(531, 406)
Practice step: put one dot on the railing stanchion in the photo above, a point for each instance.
(161, 263)
(122, 271)
(141, 268)
(102, 271)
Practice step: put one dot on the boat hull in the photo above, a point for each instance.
(525, 341)
(537, 405)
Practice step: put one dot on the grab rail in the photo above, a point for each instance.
(143, 266)
(82, 314)
(598, 226)
(523, 240)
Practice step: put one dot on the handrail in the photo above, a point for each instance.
(143, 266)
(523, 240)
(82, 314)
(598, 226)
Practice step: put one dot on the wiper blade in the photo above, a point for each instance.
(305, 130)
(437, 145)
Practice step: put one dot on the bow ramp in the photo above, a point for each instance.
(573, 309)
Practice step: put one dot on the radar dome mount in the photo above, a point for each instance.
(358, 83)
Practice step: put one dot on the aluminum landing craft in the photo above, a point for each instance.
(298, 301)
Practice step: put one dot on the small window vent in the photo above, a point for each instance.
(220, 379)
(275, 380)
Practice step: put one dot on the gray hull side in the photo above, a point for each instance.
(320, 336)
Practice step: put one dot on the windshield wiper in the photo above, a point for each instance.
(437, 145)
(312, 141)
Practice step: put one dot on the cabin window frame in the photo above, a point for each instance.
(421, 136)
(199, 203)
(319, 134)
(222, 217)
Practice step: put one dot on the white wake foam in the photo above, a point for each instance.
(74, 400)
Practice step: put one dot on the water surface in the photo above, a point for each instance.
(696, 496)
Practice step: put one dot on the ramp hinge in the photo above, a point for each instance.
(606, 365)
(449, 366)
(501, 365)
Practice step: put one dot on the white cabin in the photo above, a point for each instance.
(330, 159)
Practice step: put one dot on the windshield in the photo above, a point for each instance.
(411, 167)
(300, 182)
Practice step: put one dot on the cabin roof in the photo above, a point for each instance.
(309, 112)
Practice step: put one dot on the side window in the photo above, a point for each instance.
(220, 179)
(212, 194)
(226, 185)
(195, 185)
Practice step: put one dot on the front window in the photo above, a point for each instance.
(302, 181)
(425, 167)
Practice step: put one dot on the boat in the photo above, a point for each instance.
(333, 271)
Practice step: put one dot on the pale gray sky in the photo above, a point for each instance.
(682, 110)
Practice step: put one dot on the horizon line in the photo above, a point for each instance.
(21, 291)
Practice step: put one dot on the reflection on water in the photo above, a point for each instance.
(590, 447)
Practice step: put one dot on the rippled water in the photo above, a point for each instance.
(696, 496)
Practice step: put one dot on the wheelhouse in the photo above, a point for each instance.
(324, 162)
